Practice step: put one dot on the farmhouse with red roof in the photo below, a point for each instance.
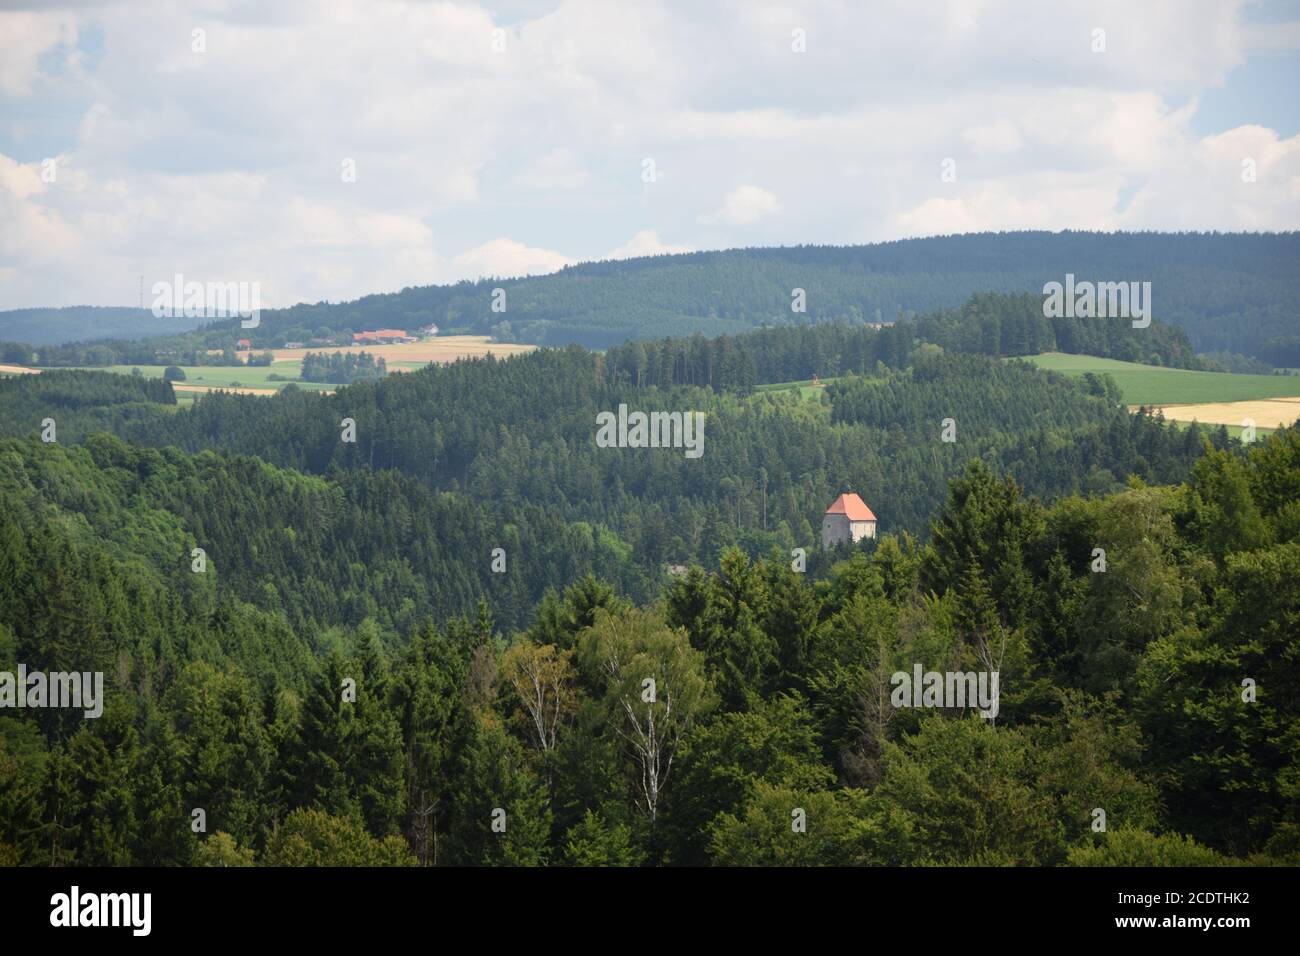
(847, 519)
(382, 336)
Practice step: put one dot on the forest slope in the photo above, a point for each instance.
(1229, 292)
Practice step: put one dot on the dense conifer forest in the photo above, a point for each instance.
(430, 645)
(344, 367)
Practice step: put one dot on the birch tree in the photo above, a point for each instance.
(542, 679)
(654, 688)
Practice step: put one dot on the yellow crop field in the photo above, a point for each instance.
(446, 348)
(181, 387)
(1265, 413)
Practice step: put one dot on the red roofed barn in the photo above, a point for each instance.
(848, 519)
(392, 336)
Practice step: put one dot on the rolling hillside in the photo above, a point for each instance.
(1230, 292)
(1153, 385)
(1181, 395)
(86, 323)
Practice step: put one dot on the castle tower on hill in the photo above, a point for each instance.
(847, 519)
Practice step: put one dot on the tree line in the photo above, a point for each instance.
(342, 367)
(1124, 690)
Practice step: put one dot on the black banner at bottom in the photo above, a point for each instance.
(334, 905)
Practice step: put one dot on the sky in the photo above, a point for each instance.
(330, 149)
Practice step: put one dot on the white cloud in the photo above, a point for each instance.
(1050, 202)
(28, 36)
(1203, 184)
(742, 207)
(226, 164)
(506, 258)
(1000, 136)
(559, 169)
(18, 180)
(646, 243)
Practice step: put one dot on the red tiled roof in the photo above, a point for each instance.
(851, 506)
(379, 334)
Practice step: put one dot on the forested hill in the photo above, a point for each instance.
(87, 323)
(1120, 689)
(1230, 292)
(371, 562)
(515, 438)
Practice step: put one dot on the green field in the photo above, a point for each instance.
(227, 376)
(806, 388)
(1153, 385)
